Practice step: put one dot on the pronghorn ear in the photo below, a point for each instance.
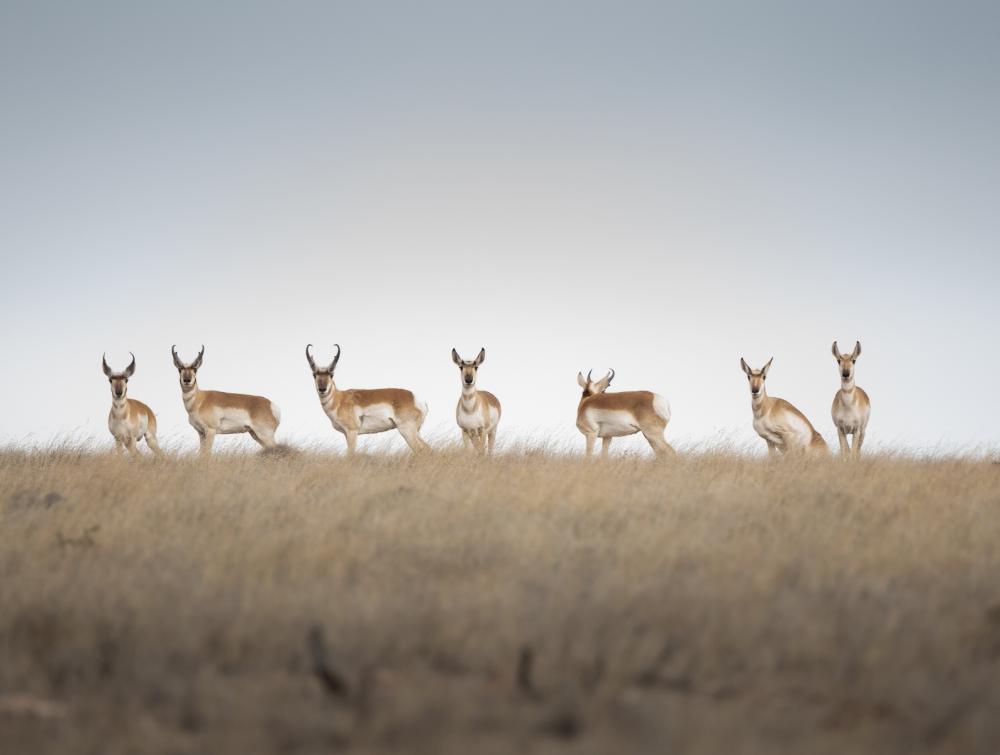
(130, 370)
(104, 365)
(481, 358)
(857, 350)
(581, 380)
(766, 367)
(456, 358)
(836, 351)
(745, 366)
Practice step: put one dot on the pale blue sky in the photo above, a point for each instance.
(657, 187)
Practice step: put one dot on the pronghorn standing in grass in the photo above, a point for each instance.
(129, 419)
(360, 411)
(478, 412)
(779, 423)
(851, 406)
(611, 415)
(214, 413)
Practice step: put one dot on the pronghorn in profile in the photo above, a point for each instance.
(214, 413)
(360, 411)
(851, 406)
(611, 415)
(478, 412)
(779, 423)
(129, 419)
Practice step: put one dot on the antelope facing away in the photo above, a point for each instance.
(129, 419)
(851, 406)
(611, 415)
(478, 412)
(214, 413)
(780, 424)
(360, 411)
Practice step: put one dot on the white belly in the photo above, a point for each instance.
(788, 431)
(475, 420)
(123, 431)
(611, 423)
(230, 421)
(849, 419)
(376, 418)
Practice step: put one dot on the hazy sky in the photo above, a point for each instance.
(657, 187)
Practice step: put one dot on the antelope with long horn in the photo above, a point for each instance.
(214, 413)
(361, 411)
(851, 406)
(129, 419)
(613, 415)
(478, 412)
(780, 424)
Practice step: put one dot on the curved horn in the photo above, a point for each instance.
(177, 360)
(197, 362)
(589, 374)
(611, 376)
(130, 370)
(104, 364)
(312, 362)
(333, 364)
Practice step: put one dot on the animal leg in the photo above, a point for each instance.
(591, 439)
(133, 449)
(772, 449)
(466, 440)
(412, 437)
(859, 438)
(351, 436)
(842, 436)
(605, 447)
(659, 444)
(119, 447)
(492, 441)
(153, 444)
(207, 439)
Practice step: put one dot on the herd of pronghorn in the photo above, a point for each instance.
(360, 411)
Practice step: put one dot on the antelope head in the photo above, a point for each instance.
(756, 378)
(591, 387)
(323, 376)
(468, 369)
(846, 361)
(188, 373)
(118, 380)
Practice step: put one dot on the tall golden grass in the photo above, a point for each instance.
(532, 602)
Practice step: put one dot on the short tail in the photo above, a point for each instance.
(662, 407)
(422, 408)
(276, 412)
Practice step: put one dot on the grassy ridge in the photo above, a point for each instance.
(444, 604)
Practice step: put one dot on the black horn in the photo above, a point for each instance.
(333, 364)
(312, 362)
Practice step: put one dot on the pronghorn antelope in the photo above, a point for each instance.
(478, 412)
(360, 411)
(129, 419)
(780, 424)
(851, 406)
(611, 415)
(214, 413)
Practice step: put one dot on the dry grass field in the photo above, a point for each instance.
(531, 602)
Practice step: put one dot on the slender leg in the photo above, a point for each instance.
(133, 449)
(844, 448)
(351, 436)
(119, 447)
(152, 443)
(591, 439)
(264, 436)
(466, 440)
(412, 437)
(659, 444)
(859, 438)
(491, 440)
(772, 450)
(479, 441)
(207, 439)
(605, 447)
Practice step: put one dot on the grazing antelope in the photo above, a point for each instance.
(214, 413)
(779, 423)
(360, 411)
(129, 420)
(478, 412)
(611, 415)
(851, 406)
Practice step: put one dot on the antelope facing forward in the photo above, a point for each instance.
(478, 412)
(779, 423)
(214, 413)
(611, 415)
(360, 411)
(851, 406)
(129, 419)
